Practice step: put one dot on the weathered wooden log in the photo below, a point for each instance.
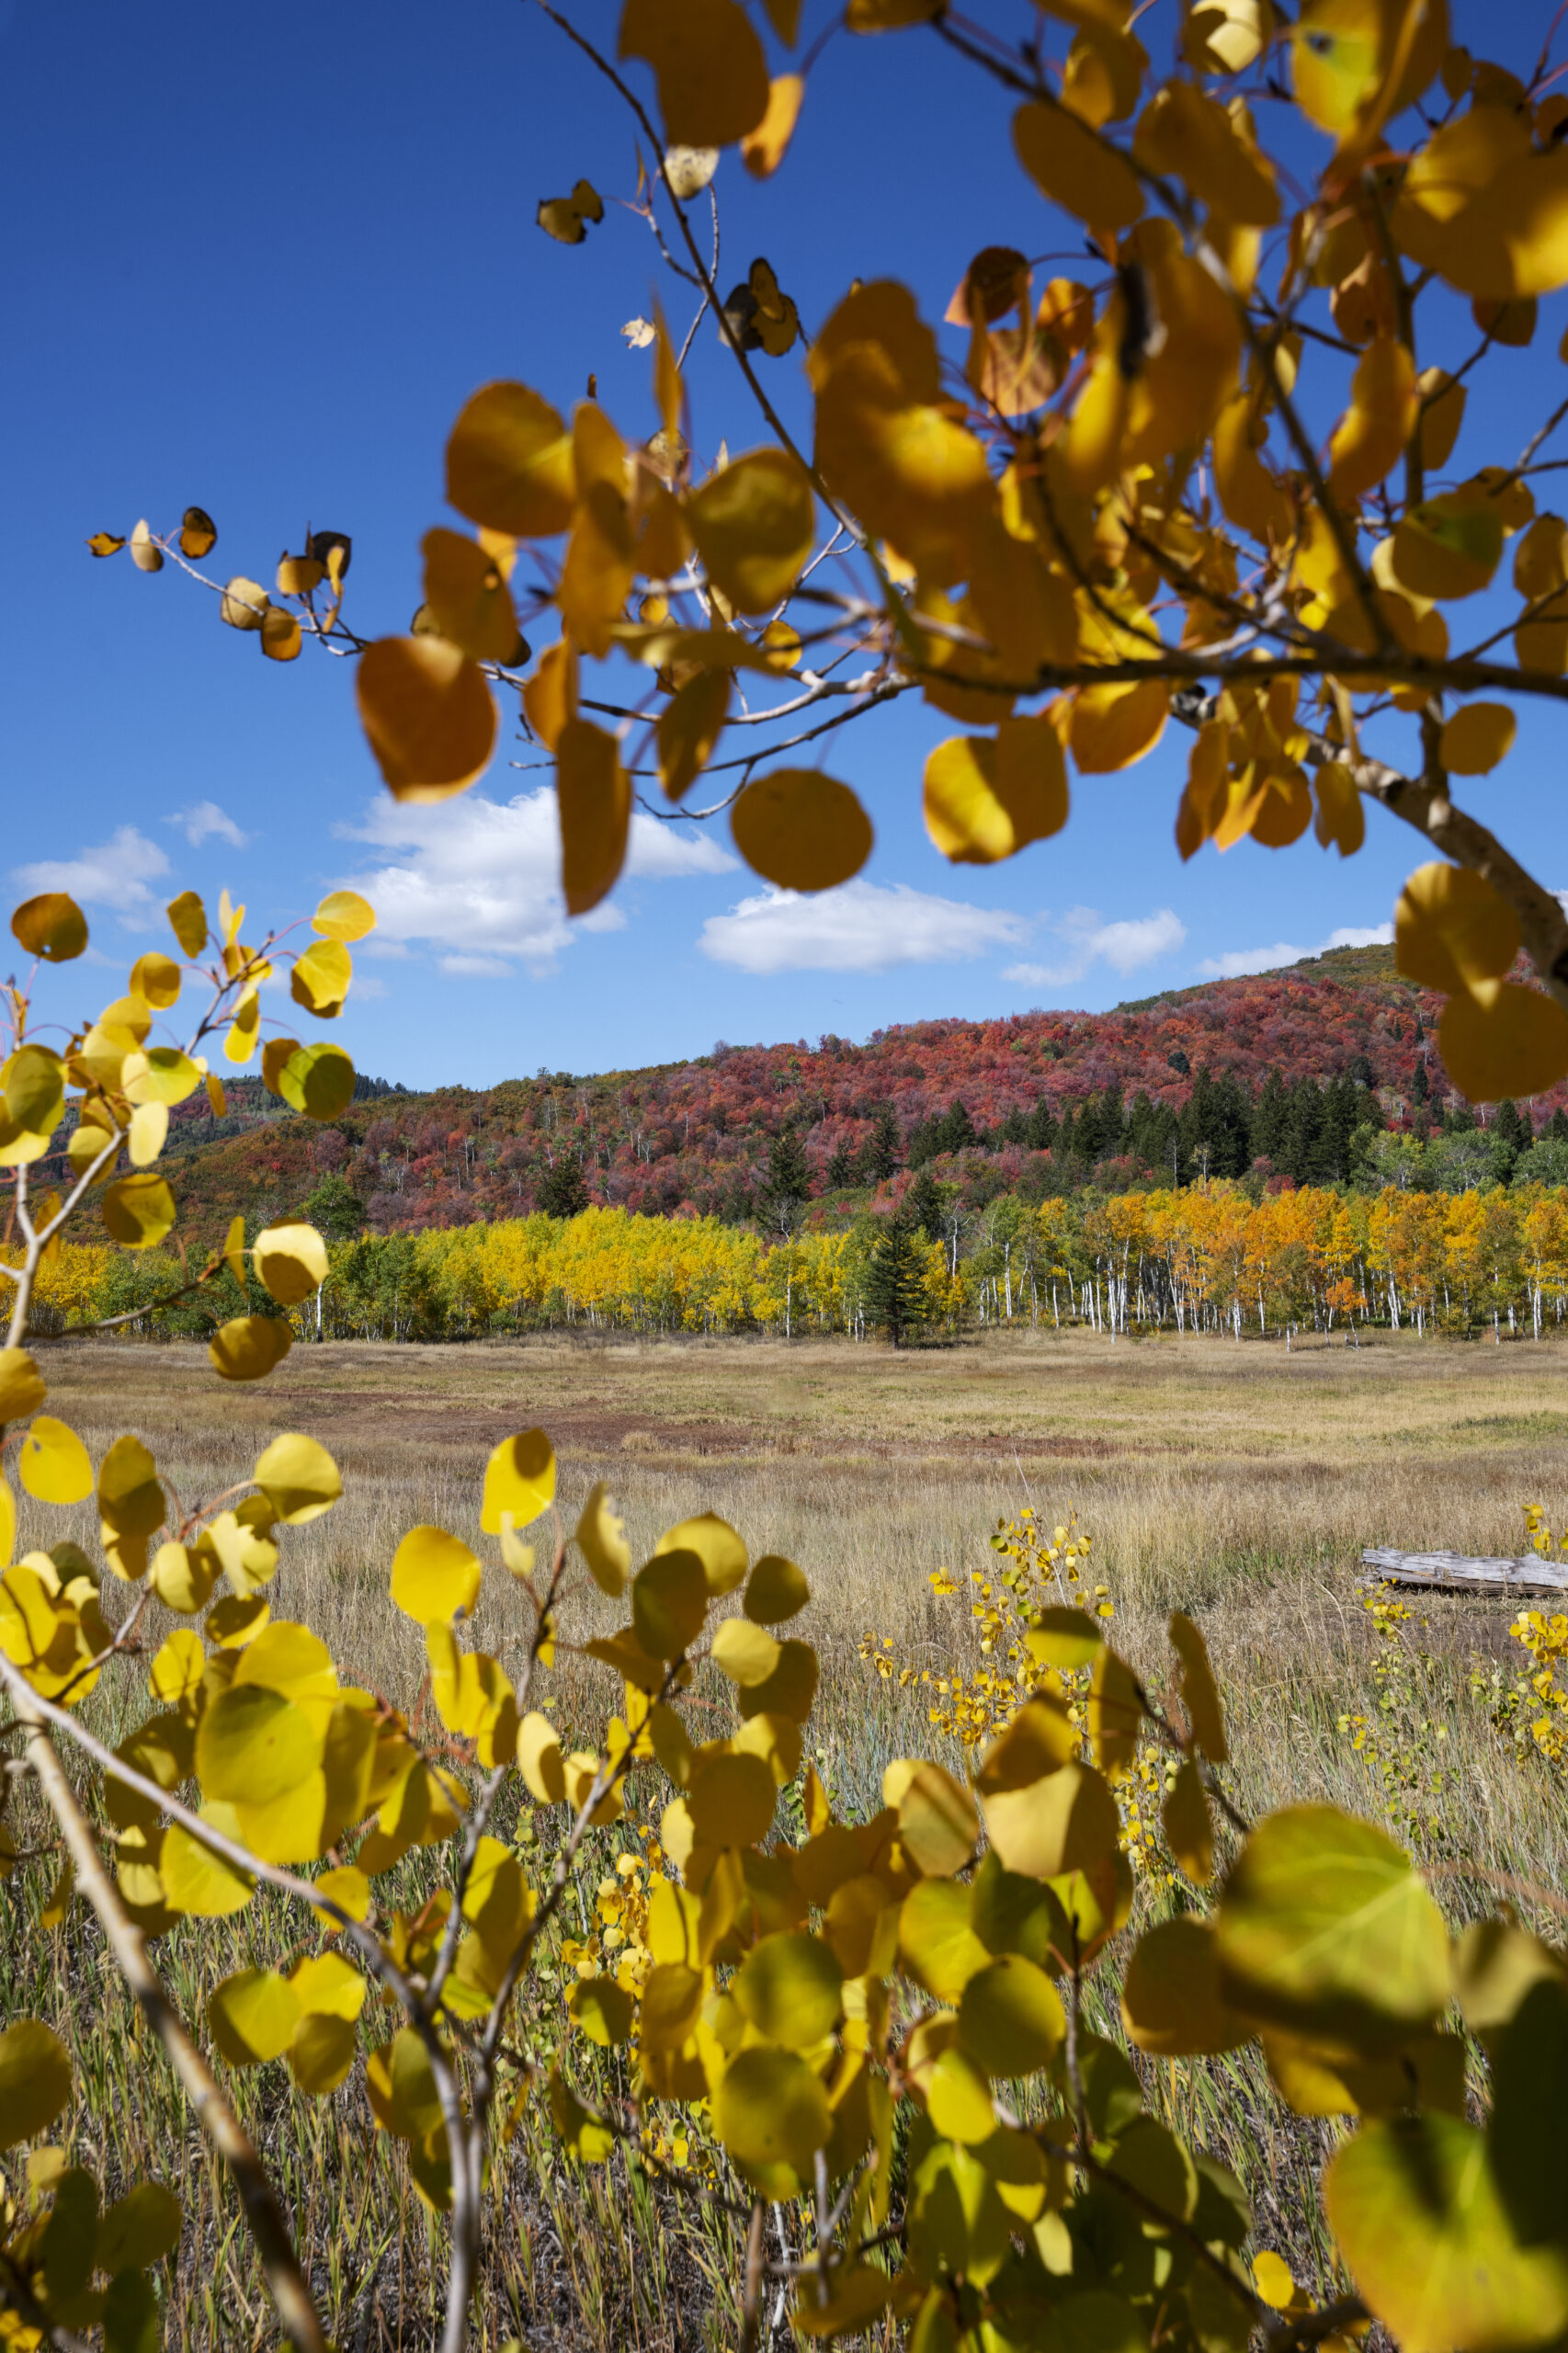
(1463, 1572)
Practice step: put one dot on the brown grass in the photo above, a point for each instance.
(1235, 1480)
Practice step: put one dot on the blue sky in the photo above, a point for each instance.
(258, 260)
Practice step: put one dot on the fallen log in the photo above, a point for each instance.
(1464, 1573)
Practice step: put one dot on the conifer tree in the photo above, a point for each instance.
(896, 1300)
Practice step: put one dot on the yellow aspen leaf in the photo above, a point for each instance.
(291, 1261)
(597, 574)
(1498, 1037)
(1442, 414)
(800, 830)
(147, 1134)
(1344, 51)
(1279, 808)
(253, 2014)
(320, 978)
(1541, 642)
(1246, 488)
(1179, 388)
(1476, 738)
(1227, 36)
(783, 645)
(51, 927)
(1025, 610)
(689, 170)
(1380, 421)
(519, 1478)
(550, 696)
(316, 1080)
(716, 1545)
(1340, 817)
(468, 600)
(155, 978)
(299, 575)
(240, 1037)
(1075, 168)
(1171, 2001)
(138, 1210)
(601, 1539)
(689, 728)
(1190, 137)
(744, 1651)
(540, 1760)
(594, 798)
(881, 313)
(54, 1465)
(784, 16)
(145, 553)
(666, 380)
(245, 603)
(249, 1347)
(1415, 2208)
(183, 1577)
(1452, 929)
(35, 2080)
(987, 797)
(282, 635)
(509, 463)
(298, 1479)
(708, 63)
(754, 523)
(22, 1389)
(662, 540)
(434, 1576)
(1091, 447)
(428, 715)
(1103, 75)
(344, 915)
(188, 920)
(198, 533)
(197, 1882)
(1188, 1831)
(1448, 547)
(1113, 727)
(1010, 2017)
(762, 149)
(106, 543)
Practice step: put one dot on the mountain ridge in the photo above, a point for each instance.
(699, 1135)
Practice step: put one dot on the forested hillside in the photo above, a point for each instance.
(1278, 1074)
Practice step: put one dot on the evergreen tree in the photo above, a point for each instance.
(1271, 1119)
(841, 1165)
(1420, 1085)
(1041, 1133)
(1511, 1135)
(335, 1209)
(956, 1129)
(1558, 1124)
(879, 1154)
(921, 1206)
(895, 1296)
(563, 1192)
(789, 1182)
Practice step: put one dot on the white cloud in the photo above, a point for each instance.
(114, 874)
(479, 880)
(1233, 961)
(205, 819)
(859, 927)
(1087, 939)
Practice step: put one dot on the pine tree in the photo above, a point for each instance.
(879, 1154)
(841, 1165)
(895, 1296)
(788, 1181)
(336, 1210)
(563, 1192)
(921, 1206)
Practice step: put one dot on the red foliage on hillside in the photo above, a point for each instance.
(695, 1136)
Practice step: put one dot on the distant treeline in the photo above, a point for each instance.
(1217, 1257)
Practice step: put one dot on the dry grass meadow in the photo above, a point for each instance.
(1238, 1482)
